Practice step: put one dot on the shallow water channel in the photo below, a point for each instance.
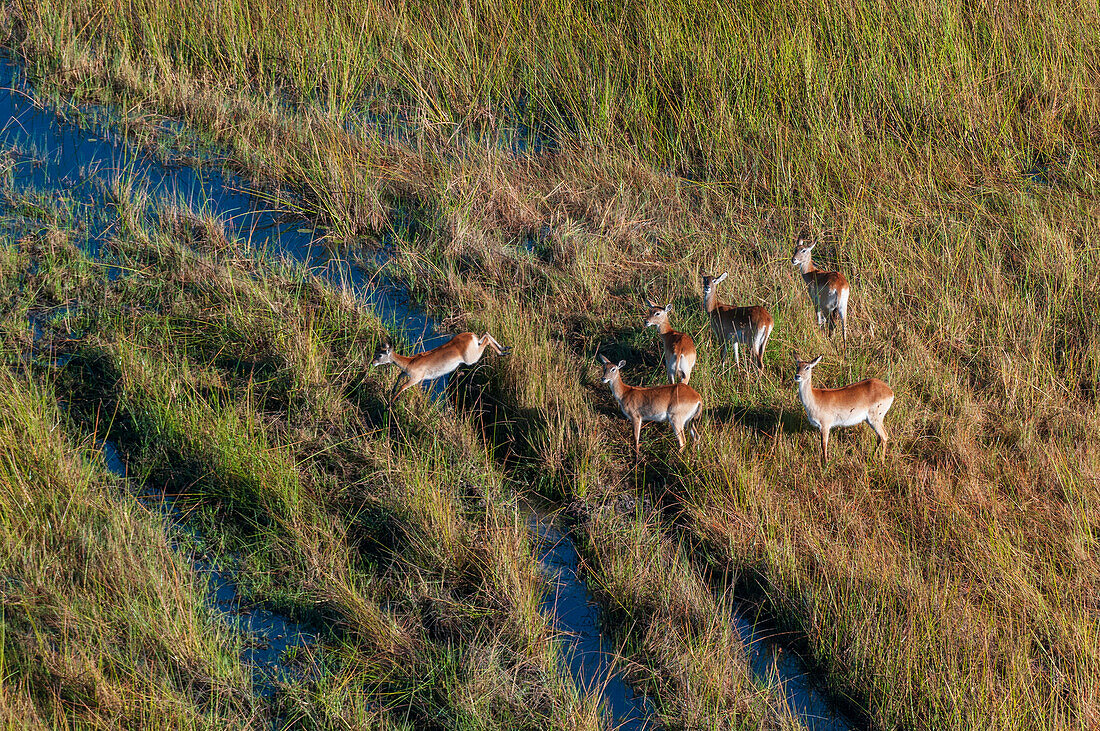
(269, 636)
(76, 162)
(47, 153)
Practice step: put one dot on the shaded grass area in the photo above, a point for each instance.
(236, 386)
(72, 544)
(945, 156)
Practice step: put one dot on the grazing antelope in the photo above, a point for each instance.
(462, 349)
(828, 290)
(750, 326)
(677, 403)
(679, 348)
(830, 407)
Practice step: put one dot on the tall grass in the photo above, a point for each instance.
(788, 102)
(101, 622)
(234, 384)
(945, 155)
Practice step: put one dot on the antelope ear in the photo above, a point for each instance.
(603, 360)
(797, 360)
(668, 308)
(813, 245)
(815, 361)
(722, 278)
(621, 363)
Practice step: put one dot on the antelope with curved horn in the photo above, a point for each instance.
(462, 349)
(828, 290)
(679, 348)
(749, 326)
(832, 407)
(677, 403)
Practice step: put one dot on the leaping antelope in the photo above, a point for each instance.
(677, 403)
(831, 407)
(828, 290)
(679, 348)
(462, 349)
(750, 326)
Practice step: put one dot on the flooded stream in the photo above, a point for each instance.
(775, 663)
(44, 151)
(576, 615)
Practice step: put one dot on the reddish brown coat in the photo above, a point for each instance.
(462, 349)
(678, 404)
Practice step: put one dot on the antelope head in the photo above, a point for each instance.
(658, 314)
(803, 368)
(709, 283)
(802, 249)
(383, 355)
(610, 370)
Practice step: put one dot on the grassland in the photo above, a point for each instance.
(234, 385)
(562, 161)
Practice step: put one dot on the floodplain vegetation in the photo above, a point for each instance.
(235, 386)
(539, 172)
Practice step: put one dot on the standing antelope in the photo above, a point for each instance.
(750, 326)
(679, 348)
(829, 407)
(462, 349)
(677, 403)
(828, 290)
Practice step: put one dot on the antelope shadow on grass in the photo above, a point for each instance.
(766, 422)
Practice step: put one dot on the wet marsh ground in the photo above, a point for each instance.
(396, 555)
(953, 586)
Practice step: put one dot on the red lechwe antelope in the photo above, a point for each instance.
(751, 326)
(828, 290)
(678, 347)
(831, 407)
(677, 404)
(462, 349)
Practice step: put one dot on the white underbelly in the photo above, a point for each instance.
(439, 372)
(846, 419)
(662, 417)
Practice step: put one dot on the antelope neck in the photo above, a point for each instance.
(710, 301)
(806, 392)
(618, 388)
(664, 327)
(402, 361)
